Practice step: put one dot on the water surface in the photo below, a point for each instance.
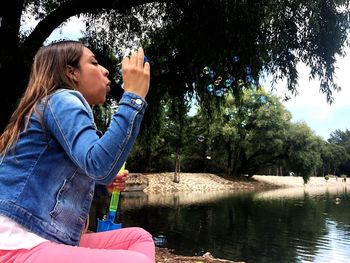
(285, 225)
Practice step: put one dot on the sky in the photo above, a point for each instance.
(309, 106)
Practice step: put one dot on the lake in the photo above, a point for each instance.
(284, 225)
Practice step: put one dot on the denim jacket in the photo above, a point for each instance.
(47, 183)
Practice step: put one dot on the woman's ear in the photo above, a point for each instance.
(71, 73)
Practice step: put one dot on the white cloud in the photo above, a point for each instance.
(311, 106)
(309, 94)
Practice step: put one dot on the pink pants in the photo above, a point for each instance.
(126, 245)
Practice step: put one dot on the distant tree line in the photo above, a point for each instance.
(253, 135)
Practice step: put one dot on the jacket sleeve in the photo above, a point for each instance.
(69, 119)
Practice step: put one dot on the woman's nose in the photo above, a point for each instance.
(105, 71)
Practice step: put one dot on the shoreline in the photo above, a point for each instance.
(162, 183)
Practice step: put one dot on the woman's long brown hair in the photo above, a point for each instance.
(48, 73)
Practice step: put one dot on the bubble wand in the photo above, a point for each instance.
(108, 222)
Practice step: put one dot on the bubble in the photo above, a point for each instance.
(120, 71)
(228, 83)
(201, 75)
(254, 84)
(200, 138)
(248, 70)
(212, 74)
(219, 93)
(240, 82)
(219, 78)
(262, 99)
(235, 58)
(226, 69)
(210, 87)
(248, 78)
(208, 157)
(224, 91)
(206, 70)
(217, 82)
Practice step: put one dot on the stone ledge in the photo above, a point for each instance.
(166, 255)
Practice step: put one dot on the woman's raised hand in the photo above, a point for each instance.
(136, 73)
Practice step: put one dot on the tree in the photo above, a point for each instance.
(193, 33)
(333, 155)
(342, 139)
(303, 150)
(247, 135)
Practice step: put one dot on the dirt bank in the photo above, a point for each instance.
(190, 182)
(163, 183)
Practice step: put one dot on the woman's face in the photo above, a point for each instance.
(92, 79)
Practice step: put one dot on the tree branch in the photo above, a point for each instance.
(72, 8)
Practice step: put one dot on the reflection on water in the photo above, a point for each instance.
(297, 192)
(135, 200)
(298, 225)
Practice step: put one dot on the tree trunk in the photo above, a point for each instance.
(148, 159)
(229, 157)
(177, 170)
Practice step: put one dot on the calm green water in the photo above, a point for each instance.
(276, 226)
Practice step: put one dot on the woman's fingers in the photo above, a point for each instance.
(147, 69)
(119, 182)
(133, 59)
(136, 74)
(125, 61)
(140, 57)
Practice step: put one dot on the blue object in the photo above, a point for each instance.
(160, 240)
(108, 223)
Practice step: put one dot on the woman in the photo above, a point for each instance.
(52, 156)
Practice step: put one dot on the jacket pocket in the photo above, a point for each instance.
(58, 207)
(72, 202)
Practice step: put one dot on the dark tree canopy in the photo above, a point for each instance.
(183, 36)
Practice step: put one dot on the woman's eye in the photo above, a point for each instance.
(95, 63)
